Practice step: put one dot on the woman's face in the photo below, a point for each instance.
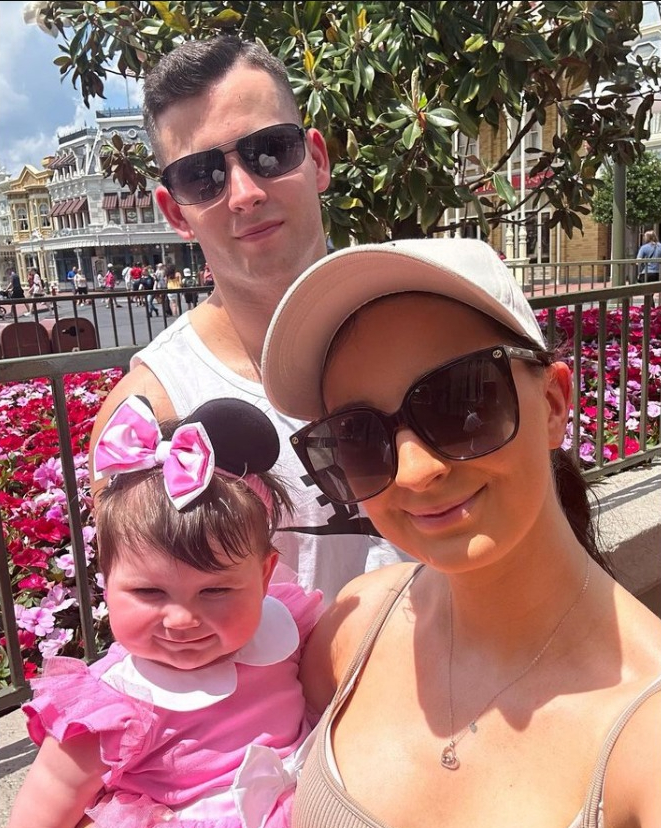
(447, 512)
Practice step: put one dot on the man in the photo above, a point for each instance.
(243, 179)
(71, 277)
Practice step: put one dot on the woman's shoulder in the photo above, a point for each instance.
(635, 761)
(344, 625)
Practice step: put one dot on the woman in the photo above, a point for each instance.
(479, 687)
(173, 283)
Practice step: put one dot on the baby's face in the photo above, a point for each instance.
(169, 612)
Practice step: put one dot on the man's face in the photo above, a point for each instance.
(259, 234)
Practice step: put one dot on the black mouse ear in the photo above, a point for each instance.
(244, 440)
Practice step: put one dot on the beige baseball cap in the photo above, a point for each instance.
(331, 290)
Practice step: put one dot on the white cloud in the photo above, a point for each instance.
(35, 104)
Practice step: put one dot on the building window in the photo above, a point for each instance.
(538, 237)
(532, 141)
(147, 215)
(44, 215)
(131, 216)
(113, 216)
(468, 149)
(22, 218)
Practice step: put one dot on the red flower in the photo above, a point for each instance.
(33, 581)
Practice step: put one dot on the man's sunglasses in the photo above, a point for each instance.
(464, 409)
(268, 153)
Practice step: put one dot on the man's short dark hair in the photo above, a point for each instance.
(196, 65)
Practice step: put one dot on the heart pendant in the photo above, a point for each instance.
(449, 758)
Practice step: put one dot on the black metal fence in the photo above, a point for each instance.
(624, 328)
(102, 319)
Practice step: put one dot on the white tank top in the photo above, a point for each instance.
(326, 544)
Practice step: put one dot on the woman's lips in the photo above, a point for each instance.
(444, 515)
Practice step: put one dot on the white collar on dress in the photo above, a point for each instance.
(274, 641)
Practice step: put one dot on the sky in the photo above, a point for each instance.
(35, 104)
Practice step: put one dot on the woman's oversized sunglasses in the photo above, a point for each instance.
(268, 153)
(464, 409)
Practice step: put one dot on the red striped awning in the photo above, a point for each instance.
(78, 205)
(143, 200)
(127, 201)
(60, 161)
(60, 208)
(110, 201)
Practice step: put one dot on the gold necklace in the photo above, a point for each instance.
(449, 757)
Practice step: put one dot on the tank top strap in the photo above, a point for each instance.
(593, 800)
(365, 648)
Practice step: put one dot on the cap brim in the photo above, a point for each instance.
(331, 290)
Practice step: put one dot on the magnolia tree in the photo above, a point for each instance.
(392, 85)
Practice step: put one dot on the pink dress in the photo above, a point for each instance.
(218, 747)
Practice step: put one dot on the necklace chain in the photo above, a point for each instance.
(449, 757)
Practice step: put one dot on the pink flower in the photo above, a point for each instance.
(38, 620)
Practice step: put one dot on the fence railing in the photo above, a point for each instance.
(53, 367)
(100, 319)
(625, 315)
(552, 278)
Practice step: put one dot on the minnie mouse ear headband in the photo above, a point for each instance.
(331, 290)
(227, 436)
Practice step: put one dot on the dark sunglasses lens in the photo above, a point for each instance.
(196, 178)
(350, 456)
(468, 409)
(273, 151)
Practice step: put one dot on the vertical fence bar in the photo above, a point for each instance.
(624, 377)
(75, 522)
(578, 381)
(601, 383)
(10, 629)
(645, 372)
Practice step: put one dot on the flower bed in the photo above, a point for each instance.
(33, 503)
(35, 519)
(634, 441)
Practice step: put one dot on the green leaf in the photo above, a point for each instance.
(430, 213)
(411, 134)
(504, 189)
(468, 88)
(228, 17)
(442, 117)
(314, 104)
(379, 180)
(418, 187)
(353, 150)
(312, 14)
(173, 18)
(474, 43)
(347, 203)
(422, 22)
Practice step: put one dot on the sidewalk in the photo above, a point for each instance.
(16, 755)
(629, 523)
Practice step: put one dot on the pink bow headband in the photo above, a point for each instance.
(131, 440)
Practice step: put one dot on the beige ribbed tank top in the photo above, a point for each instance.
(321, 802)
